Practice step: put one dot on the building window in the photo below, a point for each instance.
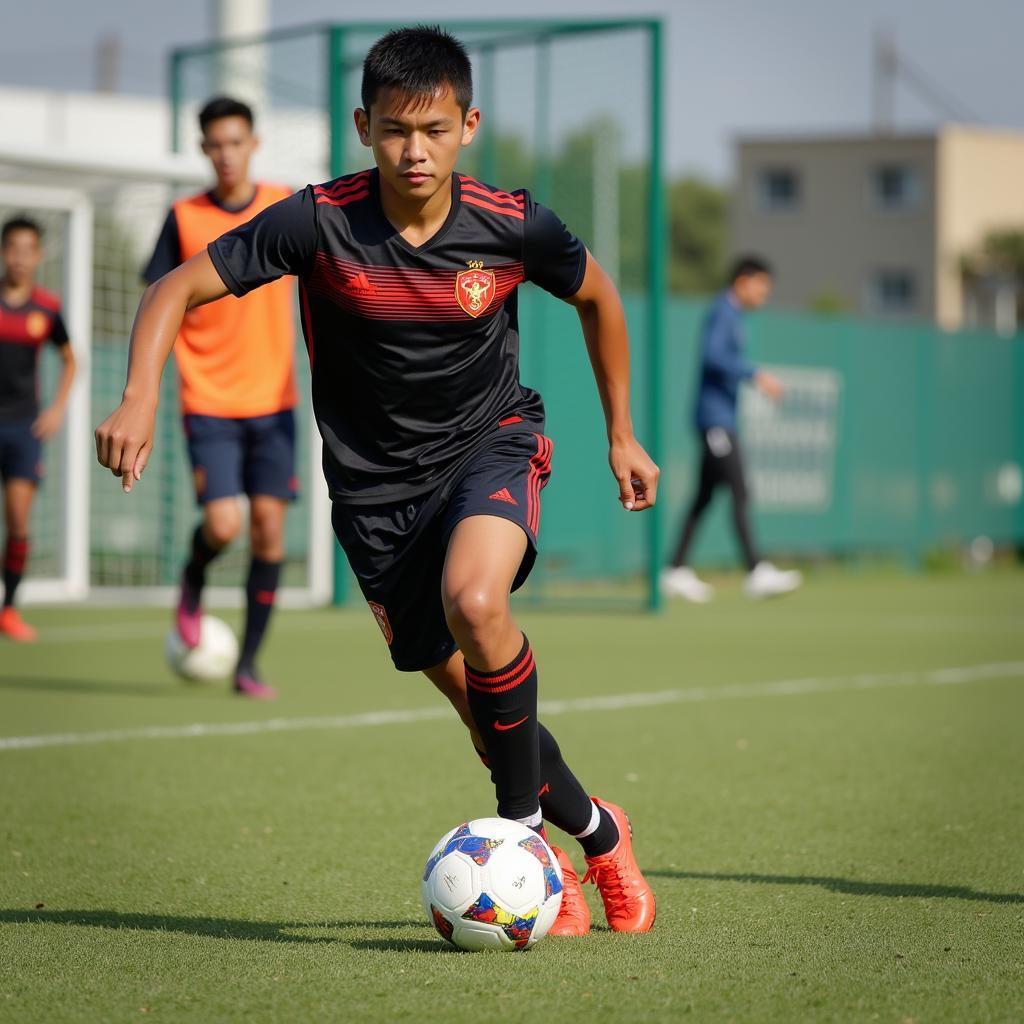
(893, 291)
(895, 187)
(778, 188)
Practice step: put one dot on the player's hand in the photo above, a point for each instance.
(125, 439)
(47, 423)
(768, 384)
(636, 473)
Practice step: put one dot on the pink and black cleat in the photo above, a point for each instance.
(189, 616)
(247, 685)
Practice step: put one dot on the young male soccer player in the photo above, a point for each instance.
(235, 358)
(435, 455)
(723, 369)
(29, 317)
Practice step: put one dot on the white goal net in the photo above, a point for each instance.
(90, 539)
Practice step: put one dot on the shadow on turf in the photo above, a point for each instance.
(226, 928)
(62, 684)
(851, 887)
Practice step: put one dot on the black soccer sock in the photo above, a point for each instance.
(203, 553)
(503, 703)
(260, 591)
(15, 557)
(601, 834)
(565, 802)
(562, 799)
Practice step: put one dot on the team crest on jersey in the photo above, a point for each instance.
(474, 288)
(36, 325)
(381, 615)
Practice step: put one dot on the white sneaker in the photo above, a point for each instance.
(765, 580)
(682, 581)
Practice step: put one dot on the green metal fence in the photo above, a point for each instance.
(894, 440)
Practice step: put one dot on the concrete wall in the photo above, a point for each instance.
(837, 237)
(84, 121)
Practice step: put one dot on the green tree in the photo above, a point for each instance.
(1002, 252)
(994, 265)
(698, 229)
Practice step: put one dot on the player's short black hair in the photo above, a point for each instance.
(744, 266)
(19, 223)
(223, 106)
(420, 62)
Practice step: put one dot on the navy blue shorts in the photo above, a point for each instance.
(397, 550)
(253, 455)
(21, 452)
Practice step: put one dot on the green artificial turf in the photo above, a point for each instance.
(832, 833)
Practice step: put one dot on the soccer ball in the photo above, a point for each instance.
(492, 883)
(214, 657)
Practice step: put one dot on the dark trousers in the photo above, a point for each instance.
(721, 463)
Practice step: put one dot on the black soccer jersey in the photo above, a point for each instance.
(414, 350)
(23, 331)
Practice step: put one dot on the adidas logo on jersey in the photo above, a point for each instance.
(503, 495)
(359, 285)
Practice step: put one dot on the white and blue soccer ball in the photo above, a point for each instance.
(214, 657)
(492, 883)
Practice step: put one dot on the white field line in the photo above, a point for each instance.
(84, 633)
(696, 694)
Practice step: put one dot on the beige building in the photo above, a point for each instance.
(880, 224)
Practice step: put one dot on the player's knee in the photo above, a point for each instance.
(267, 536)
(475, 612)
(16, 523)
(223, 527)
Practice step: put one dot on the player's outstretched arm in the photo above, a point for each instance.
(604, 328)
(125, 438)
(48, 422)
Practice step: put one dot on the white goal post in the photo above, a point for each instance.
(101, 220)
(69, 579)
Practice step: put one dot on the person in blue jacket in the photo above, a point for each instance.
(723, 368)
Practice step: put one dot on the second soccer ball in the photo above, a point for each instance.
(214, 657)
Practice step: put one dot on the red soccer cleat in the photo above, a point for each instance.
(574, 914)
(14, 627)
(628, 899)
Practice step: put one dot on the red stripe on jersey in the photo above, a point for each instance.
(506, 211)
(510, 420)
(350, 198)
(49, 301)
(477, 190)
(350, 184)
(22, 337)
(307, 320)
(495, 193)
(402, 293)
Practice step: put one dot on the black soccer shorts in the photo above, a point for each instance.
(397, 550)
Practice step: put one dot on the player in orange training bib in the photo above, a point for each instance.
(235, 361)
